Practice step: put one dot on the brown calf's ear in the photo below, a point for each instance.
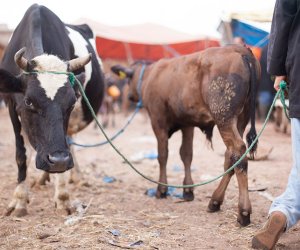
(122, 72)
(9, 83)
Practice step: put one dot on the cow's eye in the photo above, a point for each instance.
(28, 103)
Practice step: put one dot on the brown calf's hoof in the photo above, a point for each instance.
(188, 195)
(244, 219)
(161, 194)
(213, 206)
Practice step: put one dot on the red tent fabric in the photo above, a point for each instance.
(145, 41)
(112, 49)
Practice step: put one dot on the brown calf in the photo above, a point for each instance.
(204, 89)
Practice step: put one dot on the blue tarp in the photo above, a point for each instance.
(253, 36)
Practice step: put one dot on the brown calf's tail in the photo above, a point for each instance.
(251, 135)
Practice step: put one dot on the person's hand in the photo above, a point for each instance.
(278, 79)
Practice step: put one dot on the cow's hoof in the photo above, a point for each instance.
(77, 179)
(244, 219)
(63, 208)
(44, 178)
(84, 183)
(80, 183)
(8, 211)
(188, 195)
(20, 212)
(213, 206)
(161, 194)
(63, 211)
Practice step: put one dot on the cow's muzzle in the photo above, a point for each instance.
(59, 162)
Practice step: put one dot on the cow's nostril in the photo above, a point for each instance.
(49, 157)
(58, 157)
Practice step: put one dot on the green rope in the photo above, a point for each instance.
(74, 80)
(70, 75)
(283, 87)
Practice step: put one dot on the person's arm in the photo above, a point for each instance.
(283, 17)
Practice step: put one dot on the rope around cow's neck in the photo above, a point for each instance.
(74, 80)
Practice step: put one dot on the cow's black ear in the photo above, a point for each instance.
(122, 72)
(9, 83)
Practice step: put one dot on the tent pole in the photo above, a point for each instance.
(128, 53)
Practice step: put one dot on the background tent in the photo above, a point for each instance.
(252, 35)
(5, 34)
(254, 28)
(145, 41)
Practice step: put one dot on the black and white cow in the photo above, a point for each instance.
(42, 106)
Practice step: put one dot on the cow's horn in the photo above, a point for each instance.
(20, 60)
(79, 62)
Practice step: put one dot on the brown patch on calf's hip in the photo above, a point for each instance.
(221, 92)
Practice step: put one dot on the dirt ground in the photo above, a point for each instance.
(119, 214)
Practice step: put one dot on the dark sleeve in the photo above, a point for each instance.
(284, 13)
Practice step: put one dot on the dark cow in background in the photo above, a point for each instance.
(213, 87)
(40, 104)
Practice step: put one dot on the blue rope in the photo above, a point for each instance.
(139, 85)
(71, 142)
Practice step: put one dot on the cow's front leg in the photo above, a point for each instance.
(44, 178)
(19, 201)
(61, 195)
(76, 175)
(186, 154)
(162, 148)
(18, 205)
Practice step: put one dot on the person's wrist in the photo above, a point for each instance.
(280, 78)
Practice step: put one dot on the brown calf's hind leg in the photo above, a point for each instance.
(244, 201)
(218, 195)
(235, 149)
(186, 154)
(162, 148)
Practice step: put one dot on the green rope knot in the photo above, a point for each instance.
(282, 85)
(283, 88)
(72, 79)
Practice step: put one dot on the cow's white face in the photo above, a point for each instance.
(44, 107)
(51, 83)
(45, 111)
